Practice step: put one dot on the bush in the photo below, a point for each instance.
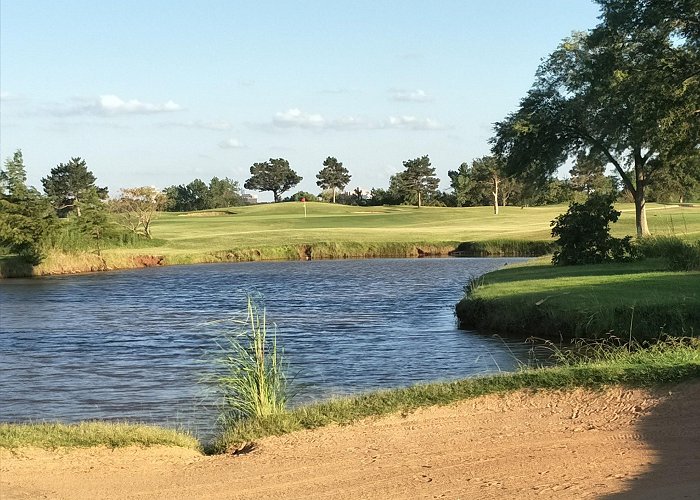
(684, 257)
(584, 233)
(681, 255)
(301, 194)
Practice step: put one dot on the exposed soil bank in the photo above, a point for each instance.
(63, 263)
(614, 443)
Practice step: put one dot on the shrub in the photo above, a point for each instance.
(584, 233)
(681, 255)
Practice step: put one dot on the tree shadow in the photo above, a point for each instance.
(13, 266)
(672, 430)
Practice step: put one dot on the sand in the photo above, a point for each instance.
(613, 443)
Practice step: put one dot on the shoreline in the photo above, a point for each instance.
(60, 263)
(584, 442)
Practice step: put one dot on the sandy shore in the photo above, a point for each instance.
(616, 443)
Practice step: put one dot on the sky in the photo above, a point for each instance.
(162, 92)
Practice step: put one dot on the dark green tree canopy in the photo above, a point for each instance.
(628, 90)
(333, 175)
(69, 184)
(588, 175)
(418, 178)
(273, 175)
(27, 219)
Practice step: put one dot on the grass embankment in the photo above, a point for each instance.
(280, 232)
(542, 300)
(666, 362)
(87, 434)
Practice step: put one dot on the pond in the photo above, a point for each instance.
(134, 345)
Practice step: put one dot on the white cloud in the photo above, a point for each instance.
(200, 124)
(112, 104)
(296, 118)
(417, 95)
(6, 96)
(231, 144)
(413, 123)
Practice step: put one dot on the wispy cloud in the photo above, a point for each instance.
(6, 96)
(200, 124)
(231, 144)
(111, 105)
(414, 123)
(295, 118)
(403, 95)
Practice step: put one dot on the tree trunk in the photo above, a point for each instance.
(640, 204)
(419, 205)
(334, 194)
(276, 196)
(495, 195)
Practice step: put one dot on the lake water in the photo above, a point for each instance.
(134, 345)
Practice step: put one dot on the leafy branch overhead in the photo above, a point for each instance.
(627, 91)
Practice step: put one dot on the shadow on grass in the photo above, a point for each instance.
(672, 431)
(13, 266)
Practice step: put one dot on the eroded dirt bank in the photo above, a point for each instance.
(616, 443)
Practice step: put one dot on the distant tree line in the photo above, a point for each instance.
(197, 195)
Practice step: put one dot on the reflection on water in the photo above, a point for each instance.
(134, 345)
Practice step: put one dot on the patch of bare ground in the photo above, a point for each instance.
(612, 443)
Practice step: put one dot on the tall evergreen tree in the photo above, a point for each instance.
(333, 176)
(69, 184)
(419, 178)
(27, 219)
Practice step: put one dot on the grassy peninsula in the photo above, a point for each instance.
(641, 299)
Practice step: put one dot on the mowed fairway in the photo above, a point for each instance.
(281, 232)
(274, 225)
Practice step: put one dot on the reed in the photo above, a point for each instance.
(251, 380)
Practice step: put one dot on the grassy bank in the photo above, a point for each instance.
(663, 363)
(281, 232)
(542, 300)
(86, 434)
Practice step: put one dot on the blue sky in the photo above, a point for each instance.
(162, 92)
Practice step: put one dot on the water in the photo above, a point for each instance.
(134, 345)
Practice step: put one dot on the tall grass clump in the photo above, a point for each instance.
(251, 380)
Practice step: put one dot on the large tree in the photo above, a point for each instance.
(418, 178)
(70, 184)
(628, 90)
(333, 175)
(27, 219)
(273, 175)
(224, 193)
(588, 176)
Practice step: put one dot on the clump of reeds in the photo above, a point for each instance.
(251, 377)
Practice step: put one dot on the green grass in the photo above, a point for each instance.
(87, 434)
(280, 232)
(665, 362)
(585, 301)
